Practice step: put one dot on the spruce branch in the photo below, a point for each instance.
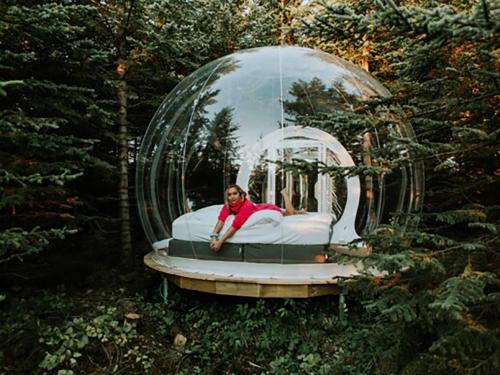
(486, 13)
(395, 8)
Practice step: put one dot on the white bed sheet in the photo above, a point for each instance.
(265, 227)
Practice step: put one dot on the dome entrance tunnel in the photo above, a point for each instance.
(251, 118)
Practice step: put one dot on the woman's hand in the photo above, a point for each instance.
(215, 245)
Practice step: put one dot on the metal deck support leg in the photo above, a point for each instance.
(342, 304)
(164, 290)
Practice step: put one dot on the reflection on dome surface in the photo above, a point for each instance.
(235, 120)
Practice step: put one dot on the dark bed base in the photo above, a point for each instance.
(256, 253)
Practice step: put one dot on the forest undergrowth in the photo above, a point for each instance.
(115, 322)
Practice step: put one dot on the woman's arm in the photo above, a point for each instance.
(216, 245)
(223, 215)
(215, 232)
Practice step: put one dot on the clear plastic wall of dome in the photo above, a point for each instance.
(236, 120)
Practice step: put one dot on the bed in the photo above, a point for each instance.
(266, 237)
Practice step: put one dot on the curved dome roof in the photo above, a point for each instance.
(235, 120)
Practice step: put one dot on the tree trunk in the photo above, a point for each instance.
(126, 238)
(365, 54)
(367, 161)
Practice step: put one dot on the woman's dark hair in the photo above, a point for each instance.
(240, 191)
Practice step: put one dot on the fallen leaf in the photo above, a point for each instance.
(132, 316)
(180, 340)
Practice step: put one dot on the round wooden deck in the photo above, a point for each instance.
(259, 280)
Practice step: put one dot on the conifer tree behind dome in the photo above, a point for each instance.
(439, 62)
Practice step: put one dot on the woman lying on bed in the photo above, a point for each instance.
(239, 205)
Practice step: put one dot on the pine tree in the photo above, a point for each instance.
(439, 62)
(48, 117)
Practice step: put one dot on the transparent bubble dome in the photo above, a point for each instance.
(235, 120)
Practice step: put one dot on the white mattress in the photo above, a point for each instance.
(264, 227)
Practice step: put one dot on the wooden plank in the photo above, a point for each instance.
(284, 291)
(174, 279)
(254, 290)
(199, 285)
(237, 289)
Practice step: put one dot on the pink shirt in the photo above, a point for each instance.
(244, 212)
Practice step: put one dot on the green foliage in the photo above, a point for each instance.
(76, 335)
(66, 334)
(17, 243)
(435, 308)
(439, 62)
(459, 292)
(45, 122)
(87, 332)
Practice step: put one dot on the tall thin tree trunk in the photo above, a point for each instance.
(369, 195)
(126, 238)
(365, 54)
